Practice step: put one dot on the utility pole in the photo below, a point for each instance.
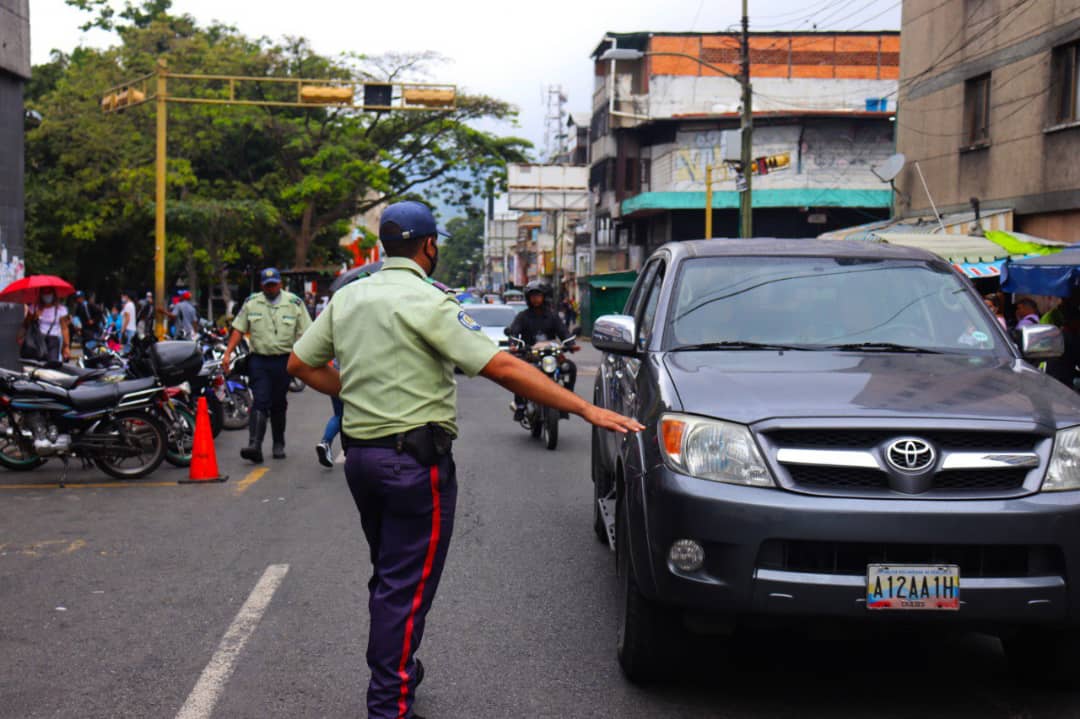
(746, 219)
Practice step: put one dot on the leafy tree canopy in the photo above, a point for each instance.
(246, 185)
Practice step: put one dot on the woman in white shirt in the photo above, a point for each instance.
(52, 319)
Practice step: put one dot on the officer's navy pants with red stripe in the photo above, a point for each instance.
(407, 511)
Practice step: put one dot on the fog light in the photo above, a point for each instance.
(686, 555)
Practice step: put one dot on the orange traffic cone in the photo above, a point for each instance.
(204, 466)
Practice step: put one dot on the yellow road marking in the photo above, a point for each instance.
(35, 549)
(88, 485)
(253, 476)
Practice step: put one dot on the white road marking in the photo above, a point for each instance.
(200, 703)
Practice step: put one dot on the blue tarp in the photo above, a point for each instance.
(1052, 275)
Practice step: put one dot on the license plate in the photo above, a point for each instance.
(913, 586)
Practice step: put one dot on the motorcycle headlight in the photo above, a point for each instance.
(713, 449)
(548, 363)
(1064, 470)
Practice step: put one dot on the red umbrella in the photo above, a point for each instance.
(28, 289)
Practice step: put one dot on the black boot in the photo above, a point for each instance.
(277, 431)
(256, 432)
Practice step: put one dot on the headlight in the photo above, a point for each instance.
(548, 363)
(1064, 470)
(713, 449)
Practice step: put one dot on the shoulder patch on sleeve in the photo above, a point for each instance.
(468, 322)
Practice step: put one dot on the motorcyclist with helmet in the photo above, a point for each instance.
(536, 323)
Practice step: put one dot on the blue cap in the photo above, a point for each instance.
(270, 274)
(413, 219)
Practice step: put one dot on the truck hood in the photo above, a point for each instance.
(751, 386)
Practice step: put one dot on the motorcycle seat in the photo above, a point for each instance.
(136, 385)
(95, 396)
(102, 394)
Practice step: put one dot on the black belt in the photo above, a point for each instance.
(426, 444)
(390, 441)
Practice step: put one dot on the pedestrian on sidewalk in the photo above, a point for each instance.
(129, 317)
(397, 339)
(276, 319)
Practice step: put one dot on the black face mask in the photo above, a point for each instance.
(433, 260)
(271, 296)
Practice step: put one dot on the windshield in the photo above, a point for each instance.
(826, 303)
(492, 315)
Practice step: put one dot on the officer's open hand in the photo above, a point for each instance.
(606, 419)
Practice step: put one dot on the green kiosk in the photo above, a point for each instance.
(603, 295)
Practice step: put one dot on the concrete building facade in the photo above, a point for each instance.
(989, 108)
(823, 103)
(14, 71)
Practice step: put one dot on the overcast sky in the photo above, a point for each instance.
(511, 50)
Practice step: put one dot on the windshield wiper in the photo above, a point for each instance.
(883, 347)
(738, 345)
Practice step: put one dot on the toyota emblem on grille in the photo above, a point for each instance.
(909, 454)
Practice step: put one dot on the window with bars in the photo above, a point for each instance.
(977, 110)
(1067, 82)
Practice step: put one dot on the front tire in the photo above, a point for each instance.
(12, 456)
(648, 632)
(551, 424)
(144, 440)
(181, 438)
(237, 408)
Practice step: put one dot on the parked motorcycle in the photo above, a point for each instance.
(178, 368)
(550, 357)
(113, 425)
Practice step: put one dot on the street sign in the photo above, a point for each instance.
(740, 182)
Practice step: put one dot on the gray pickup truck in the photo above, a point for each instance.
(834, 430)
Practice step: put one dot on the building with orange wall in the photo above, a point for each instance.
(823, 101)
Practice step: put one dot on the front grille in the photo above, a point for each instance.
(838, 477)
(944, 440)
(835, 478)
(851, 558)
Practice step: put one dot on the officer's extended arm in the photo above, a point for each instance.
(522, 378)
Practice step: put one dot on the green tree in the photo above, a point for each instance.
(279, 184)
(461, 255)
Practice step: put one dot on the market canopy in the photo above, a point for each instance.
(974, 255)
(1052, 275)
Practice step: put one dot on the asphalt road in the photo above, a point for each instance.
(140, 599)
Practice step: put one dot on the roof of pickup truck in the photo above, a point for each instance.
(795, 248)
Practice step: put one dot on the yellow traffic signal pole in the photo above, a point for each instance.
(160, 171)
(310, 93)
(708, 202)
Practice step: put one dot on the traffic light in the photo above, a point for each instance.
(108, 103)
(771, 163)
(326, 95)
(378, 95)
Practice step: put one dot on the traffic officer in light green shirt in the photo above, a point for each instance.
(275, 319)
(397, 339)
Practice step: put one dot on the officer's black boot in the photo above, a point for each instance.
(256, 432)
(277, 431)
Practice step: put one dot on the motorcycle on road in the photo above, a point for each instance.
(550, 357)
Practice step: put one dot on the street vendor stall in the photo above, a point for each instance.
(1056, 275)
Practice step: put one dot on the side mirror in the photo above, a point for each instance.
(1041, 342)
(615, 334)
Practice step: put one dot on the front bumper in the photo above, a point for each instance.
(741, 527)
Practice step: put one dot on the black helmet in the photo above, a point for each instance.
(536, 286)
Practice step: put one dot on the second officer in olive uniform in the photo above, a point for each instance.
(275, 319)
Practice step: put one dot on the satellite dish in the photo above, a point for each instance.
(889, 169)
